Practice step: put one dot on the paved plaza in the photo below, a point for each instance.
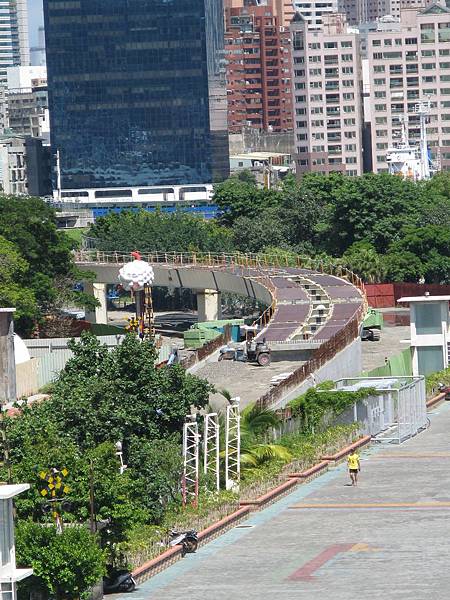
(388, 538)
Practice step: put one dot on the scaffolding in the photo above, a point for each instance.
(232, 445)
(211, 448)
(190, 463)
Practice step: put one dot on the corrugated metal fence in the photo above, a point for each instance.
(49, 357)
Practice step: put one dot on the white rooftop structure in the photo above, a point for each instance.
(9, 573)
(430, 332)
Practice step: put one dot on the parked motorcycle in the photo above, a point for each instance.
(119, 581)
(188, 540)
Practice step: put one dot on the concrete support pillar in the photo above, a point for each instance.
(100, 314)
(208, 305)
(7, 359)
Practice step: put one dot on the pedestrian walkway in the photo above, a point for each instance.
(387, 538)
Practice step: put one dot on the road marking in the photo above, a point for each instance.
(305, 573)
(376, 505)
(426, 455)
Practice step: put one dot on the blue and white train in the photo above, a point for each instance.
(196, 199)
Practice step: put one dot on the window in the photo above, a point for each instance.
(380, 120)
(381, 158)
(350, 135)
(347, 57)
(300, 85)
(429, 79)
(316, 110)
(391, 55)
(398, 42)
(378, 56)
(300, 98)
(302, 124)
(444, 32)
(330, 45)
(348, 83)
(411, 41)
(318, 149)
(348, 122)
(303, 162)
(346, 44)
(380, 94)
(348, 109)
(427, 35)
(444, 52)
(315, 59)
(318, 135)
(382, 133)
(429, 66)
(314, 46)
(388, 42)
(317, 123)
(396, 69)
(379, 68)
(348, 96)
(315, 85)
(381, 146)
(318, 161)
(396, 82)
(379, 81)
(316, 98)
(444, 65)
(300, 111)
(426, 53)
(376, 42)
(380, 107)
(315, 72)
(301, 137)
(351, 160)
(347, 70)
(350, 147)
(302, 149)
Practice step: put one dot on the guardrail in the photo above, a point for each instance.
(255, 266)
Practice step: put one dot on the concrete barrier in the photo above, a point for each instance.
(335, 459)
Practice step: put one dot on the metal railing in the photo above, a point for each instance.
(259, 267)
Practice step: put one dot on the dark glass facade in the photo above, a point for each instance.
(137, 91)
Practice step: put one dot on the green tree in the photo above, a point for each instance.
(158, 231)
(45, 274)
(236, 198)
(66, 565)
(13, 268)
(427, 249)
(253, 234)
(362, 259)
(373, 208)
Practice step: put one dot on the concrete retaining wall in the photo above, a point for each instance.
(347, 363)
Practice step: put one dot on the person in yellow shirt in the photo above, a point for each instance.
(353, 466)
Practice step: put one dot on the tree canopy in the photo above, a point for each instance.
(152, 231)
(37, 272)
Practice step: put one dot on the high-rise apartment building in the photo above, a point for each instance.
(137, 91)
(407, 64)
(327, 96)
(13, 35)
(258, 54)
(314, 11)
(363, 11)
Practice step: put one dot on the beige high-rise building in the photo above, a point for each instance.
(407, 64)
(327, 97)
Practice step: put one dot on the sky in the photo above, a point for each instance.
(35, 19)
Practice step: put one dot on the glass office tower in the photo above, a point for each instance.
(137, 91)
